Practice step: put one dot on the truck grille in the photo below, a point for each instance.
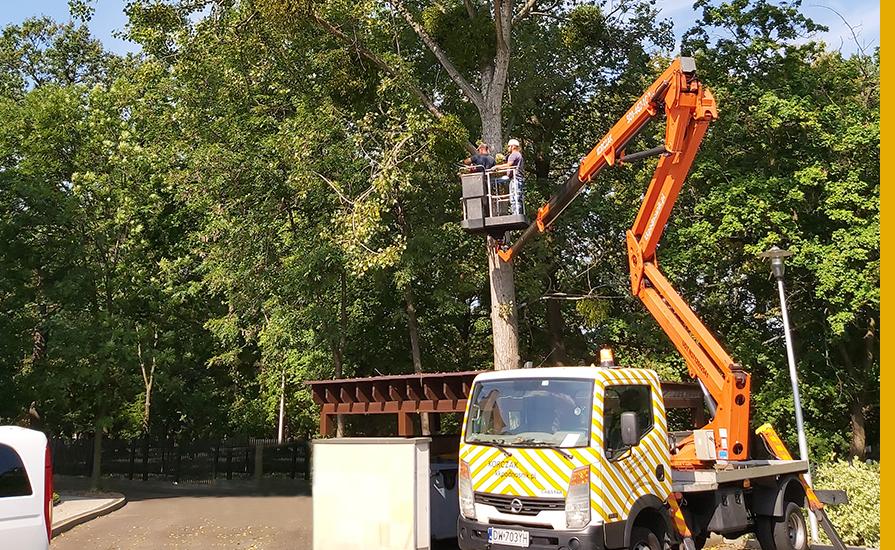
(531, 506)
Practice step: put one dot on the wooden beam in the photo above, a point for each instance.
(449, 390)
(405, 425)
(362, 393)
(345, 396)
(331, 397)
(430, 393)
(325, 425)
(378, 393)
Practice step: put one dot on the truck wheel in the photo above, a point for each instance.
(644, 539)
(787, 533)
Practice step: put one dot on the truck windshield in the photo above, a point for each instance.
(531, 412)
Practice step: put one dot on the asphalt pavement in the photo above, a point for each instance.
(182, 518)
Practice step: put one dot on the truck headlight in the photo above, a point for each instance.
(578, 499)
(464, 487)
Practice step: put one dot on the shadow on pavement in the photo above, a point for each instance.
(137, 490)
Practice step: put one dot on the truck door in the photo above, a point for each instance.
(629, 472)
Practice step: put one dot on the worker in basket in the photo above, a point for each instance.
(482, 161)
(516, 163)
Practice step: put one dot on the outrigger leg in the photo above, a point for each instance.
(779, 450)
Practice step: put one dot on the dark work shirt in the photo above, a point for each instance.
(483, 160)
(516, 161)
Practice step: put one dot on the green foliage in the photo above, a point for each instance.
(858, 522)
(255, 200)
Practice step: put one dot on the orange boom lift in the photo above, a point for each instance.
(689, 109)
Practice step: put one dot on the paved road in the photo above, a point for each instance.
(197, 520)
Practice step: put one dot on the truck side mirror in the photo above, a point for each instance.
(629, 428)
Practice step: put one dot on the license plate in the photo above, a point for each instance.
(508, 537)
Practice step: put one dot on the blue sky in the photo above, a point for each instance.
(862, 15)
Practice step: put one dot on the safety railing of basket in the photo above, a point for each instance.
(500, 203)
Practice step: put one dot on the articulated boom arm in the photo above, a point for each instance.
(689, 109)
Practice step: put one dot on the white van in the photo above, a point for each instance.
(26, 489)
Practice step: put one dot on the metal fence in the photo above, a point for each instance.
(201, 461)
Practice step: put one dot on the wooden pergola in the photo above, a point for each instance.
(436, 393)
(402, 395)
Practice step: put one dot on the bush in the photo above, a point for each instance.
(56, 499)
(858, 521)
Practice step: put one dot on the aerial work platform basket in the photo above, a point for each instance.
(487, 202)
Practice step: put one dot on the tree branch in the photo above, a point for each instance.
(471, 93)
(529, 4)
(470, 9)
(376, 60)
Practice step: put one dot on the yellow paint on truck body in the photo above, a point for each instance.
(615, 483)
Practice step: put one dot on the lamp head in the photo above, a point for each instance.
(776, 255)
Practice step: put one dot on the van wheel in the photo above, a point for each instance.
(644, 539)
(786, 533)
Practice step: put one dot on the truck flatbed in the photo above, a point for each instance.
(691, 481)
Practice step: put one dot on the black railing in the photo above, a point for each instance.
(200, 461)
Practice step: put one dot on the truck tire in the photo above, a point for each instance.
(786, 533)
(644, 539)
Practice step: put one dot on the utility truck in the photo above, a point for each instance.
(573, 458)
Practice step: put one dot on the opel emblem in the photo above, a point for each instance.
(516, 505)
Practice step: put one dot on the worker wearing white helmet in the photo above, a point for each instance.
(517, 164)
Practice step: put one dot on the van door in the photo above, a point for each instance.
(21, 495)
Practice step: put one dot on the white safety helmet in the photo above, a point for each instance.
(514, 143)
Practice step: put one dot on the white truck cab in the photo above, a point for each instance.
(569, 458)
(26, 489)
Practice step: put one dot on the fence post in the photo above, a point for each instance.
(145, 458)
(130, 469)
(307, 465)
(259, 462)
(177, 463)
(229, 462)
(294, 458)
(90, 455)
(214, 466)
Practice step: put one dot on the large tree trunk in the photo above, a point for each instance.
(504, 322)
(489, 102)
(858, 446)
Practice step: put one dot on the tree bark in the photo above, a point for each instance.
(857, 449)
(337, 364)
(504, 315)
(148, 378)
(857, 411)
(504, 322)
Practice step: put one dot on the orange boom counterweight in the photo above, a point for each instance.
(689, 108)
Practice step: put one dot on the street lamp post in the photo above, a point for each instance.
(776, 255)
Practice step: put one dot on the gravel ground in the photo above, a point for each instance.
(194, 521)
